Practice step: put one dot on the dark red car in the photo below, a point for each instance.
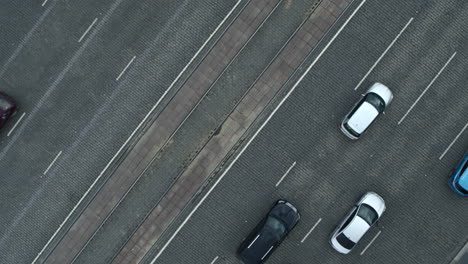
(7, 108)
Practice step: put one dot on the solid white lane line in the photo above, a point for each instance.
(370, 243)
(255, 135)
(204, 44)
(214, 260)
(451, 144)
(52, 163)
(383, 54)
(460, 254)
(43, 3)
(126, 67)
(312, 229)
(87, 30)
(16, 124)
(427, 88)
(286, 173)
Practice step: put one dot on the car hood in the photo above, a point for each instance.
(285, 214)
(356, 229)
(375, 201)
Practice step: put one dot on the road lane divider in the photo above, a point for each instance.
(383, 54)
(453, 141)
(312, 229)
(370, 243)
(286, 173)
(214, 260)
(125, 69)
(427, 88)
(87, 30)
(52, 163)
(15, 125)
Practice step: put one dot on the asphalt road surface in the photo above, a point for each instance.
(85, 73)
(418, 49)
(63, 65)
(194, 132)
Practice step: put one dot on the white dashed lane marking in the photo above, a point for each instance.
(285, 174)
(383, 54)
(87, 30)
(427, 88)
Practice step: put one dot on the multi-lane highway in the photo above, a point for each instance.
(91, 76)
(63, 71)
(418, 50)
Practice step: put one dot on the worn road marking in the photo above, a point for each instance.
(16, 124)
(427, 88)
(255, 135)
(312, 229)
(87, 30)
(126, 67)
(451, 144)
(52, 163)
(383, 54)
(286, 173)
(370, 243)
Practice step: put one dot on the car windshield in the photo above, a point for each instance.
(345, 241)
(276, 225)
(350, 130)
(460, 188)
(376, 101)
(368, 214)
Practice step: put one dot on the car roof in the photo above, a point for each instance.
(356, 229)
(363, 117)
(5, 104)
(285, 213)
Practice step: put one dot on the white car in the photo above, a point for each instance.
(366, 111)
(357, 222)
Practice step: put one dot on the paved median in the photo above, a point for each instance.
(260, 94)
(161, 131)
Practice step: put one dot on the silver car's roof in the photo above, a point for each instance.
(356, 229)
(363, 117)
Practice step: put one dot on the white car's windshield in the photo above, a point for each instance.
(368, 214)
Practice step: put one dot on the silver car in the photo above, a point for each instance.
(366, 111)
(357, 222)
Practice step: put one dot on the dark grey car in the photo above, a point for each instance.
(269, 233)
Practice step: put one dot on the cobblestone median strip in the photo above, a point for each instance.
(238, 122)
(254, 13)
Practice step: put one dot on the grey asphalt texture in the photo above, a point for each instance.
(73, 104)
(194, 133)
(425, 222)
